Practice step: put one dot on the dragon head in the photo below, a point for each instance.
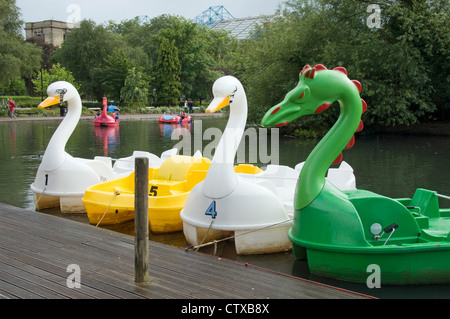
(316, 90)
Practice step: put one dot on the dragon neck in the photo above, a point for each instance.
(312, 176)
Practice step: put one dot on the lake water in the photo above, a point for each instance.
(392, 165)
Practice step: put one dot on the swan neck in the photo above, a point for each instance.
(55, 154)
(221, 179)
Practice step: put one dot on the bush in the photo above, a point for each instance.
(22, 101)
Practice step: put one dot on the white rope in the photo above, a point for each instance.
(35, 204)
(206, 234)
(107, 208)
(231, 237)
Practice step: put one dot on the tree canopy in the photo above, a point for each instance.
(402, 64)
(168, 70)
(398, 50)
(17, 57)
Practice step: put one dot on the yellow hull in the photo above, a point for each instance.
(112, 202)
(169, 186)
(163, 218)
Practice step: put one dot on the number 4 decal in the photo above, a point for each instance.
(212, 210)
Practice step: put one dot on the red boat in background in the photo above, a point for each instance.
(104, 119)
(175, 119)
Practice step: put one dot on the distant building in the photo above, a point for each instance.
(242, 28)
(51, 31)
(218, 18)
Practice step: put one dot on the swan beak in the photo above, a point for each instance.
(51, 100)
(218, 103)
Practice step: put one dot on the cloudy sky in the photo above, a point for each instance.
(117, 10)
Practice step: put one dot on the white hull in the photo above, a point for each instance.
(247, 242)
(66, 204)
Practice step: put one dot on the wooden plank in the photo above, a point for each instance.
(35, 250)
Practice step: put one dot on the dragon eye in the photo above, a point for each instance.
(301, 95)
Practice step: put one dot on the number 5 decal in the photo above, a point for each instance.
(212, 210)
(154, 191)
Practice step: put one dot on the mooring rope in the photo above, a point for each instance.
(206, 234)
(107, 208)
(215, 242)
(35, 204)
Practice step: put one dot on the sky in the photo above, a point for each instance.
(117, 10)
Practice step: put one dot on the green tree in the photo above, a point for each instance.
(56, 73)
(85, 52)
(17, 57)
(168, 70)
(16, 87)
(203, 53)
(397, 64)
(135, 89)
(115, 73)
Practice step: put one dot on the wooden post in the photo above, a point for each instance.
(141, 220)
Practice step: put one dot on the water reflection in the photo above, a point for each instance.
(167, 129)
(108, 137)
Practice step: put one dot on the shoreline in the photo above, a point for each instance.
(425, 128)
(123, 117)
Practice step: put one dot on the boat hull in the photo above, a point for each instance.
(257, 226)
(174, 119)
(345, 241)
(66, 204)
(107, 123)
(246, 241)
(401, 265)
(169, 186)
(163, 218)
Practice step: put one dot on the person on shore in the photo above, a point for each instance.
(62, 111)
(12, 107)
(190, 106)
(185, 106)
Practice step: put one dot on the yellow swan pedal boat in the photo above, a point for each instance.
(169, 186)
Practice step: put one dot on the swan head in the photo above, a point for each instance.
(59, 92)
(225, 90)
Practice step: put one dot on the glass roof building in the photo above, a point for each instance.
(218, 18)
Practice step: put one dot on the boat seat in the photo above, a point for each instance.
(427, 203)
(174, 168)
(374, 208)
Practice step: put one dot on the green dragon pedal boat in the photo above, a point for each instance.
(344, 234)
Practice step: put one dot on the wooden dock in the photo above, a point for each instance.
(36, 250)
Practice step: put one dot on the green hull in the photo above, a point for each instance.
(338, 243)
(426, 264)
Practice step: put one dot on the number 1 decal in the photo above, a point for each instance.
(212, 210)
